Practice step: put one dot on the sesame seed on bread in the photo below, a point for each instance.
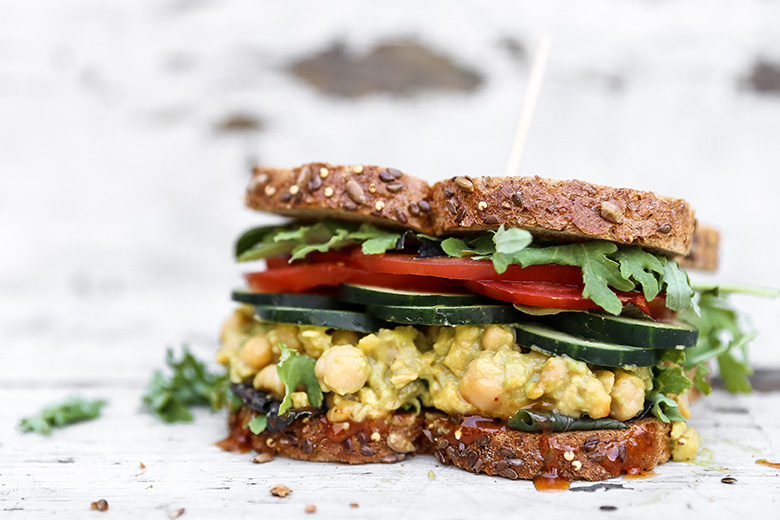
(497, 450)
(565, 210)
(381, 196)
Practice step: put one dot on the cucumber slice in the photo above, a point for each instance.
(313, 301)
(445, 315)
(366, 295)
(331, 318)
(625, 331)
(554, 342)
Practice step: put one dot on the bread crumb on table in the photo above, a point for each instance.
(280, 491)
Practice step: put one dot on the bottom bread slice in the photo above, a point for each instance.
(473, 443)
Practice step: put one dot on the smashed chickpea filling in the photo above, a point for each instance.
(459, 370)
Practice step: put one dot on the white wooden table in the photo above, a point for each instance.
(125, 129)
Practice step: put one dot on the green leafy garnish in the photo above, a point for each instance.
(665, 408)
(642, 267)
(678, 287)
(191, 384)
(700, 378)
(668, 379)
(724, 333)
(258, 424)
(72, 410)
(599, 272)
(296, 369)
(299, 240)
(540, 420)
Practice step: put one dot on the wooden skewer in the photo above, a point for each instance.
(529, 102)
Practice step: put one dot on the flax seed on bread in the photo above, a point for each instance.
(563, 209)
(497, 451)
(381, 196)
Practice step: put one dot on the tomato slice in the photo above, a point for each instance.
(535, 294)
(298, 278)
(559, 296)
(464, 268)
(305, 277)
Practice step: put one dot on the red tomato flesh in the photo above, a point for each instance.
(464, 268)
(300, 278)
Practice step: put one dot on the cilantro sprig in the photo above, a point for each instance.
(72, 410)
(190, 384)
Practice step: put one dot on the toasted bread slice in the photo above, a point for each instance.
(567, 210)
(705, 250)
(381, 196)
(494, 450)
(571, 210)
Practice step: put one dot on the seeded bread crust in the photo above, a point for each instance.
(584, 455)
(382, 196)
(705, 250)
(579, 455)
(563, 209)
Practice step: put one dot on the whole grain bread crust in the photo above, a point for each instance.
(705, 250)
(382, 196)
(569, 210)
(480, 446)
(563, 209)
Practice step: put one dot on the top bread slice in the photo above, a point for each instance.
(564, 210)
(381, 196)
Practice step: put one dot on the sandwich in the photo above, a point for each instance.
(519, 327)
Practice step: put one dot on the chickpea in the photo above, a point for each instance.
(234, 324)
(344, 369)
(607, 379)
(482, 384)
(628, 396)
(685, 442)
(256, 352)
(497, 336)
(344, 337)
(268, 379)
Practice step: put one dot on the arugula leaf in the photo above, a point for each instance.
(456, 247)
(258, 424)
(542, 420)
(668, 378)
(724, 333)
(252, 237)
(299, 240)
(512, 240)
(678, 287)
(72, 410)
(700, 379)
(665, 408)
(735, 373)
(296, 369)
(509, 243)
(642, 267)
(599, 273)
(191, 384)
(336, 241)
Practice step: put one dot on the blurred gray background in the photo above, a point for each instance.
(127, 129)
